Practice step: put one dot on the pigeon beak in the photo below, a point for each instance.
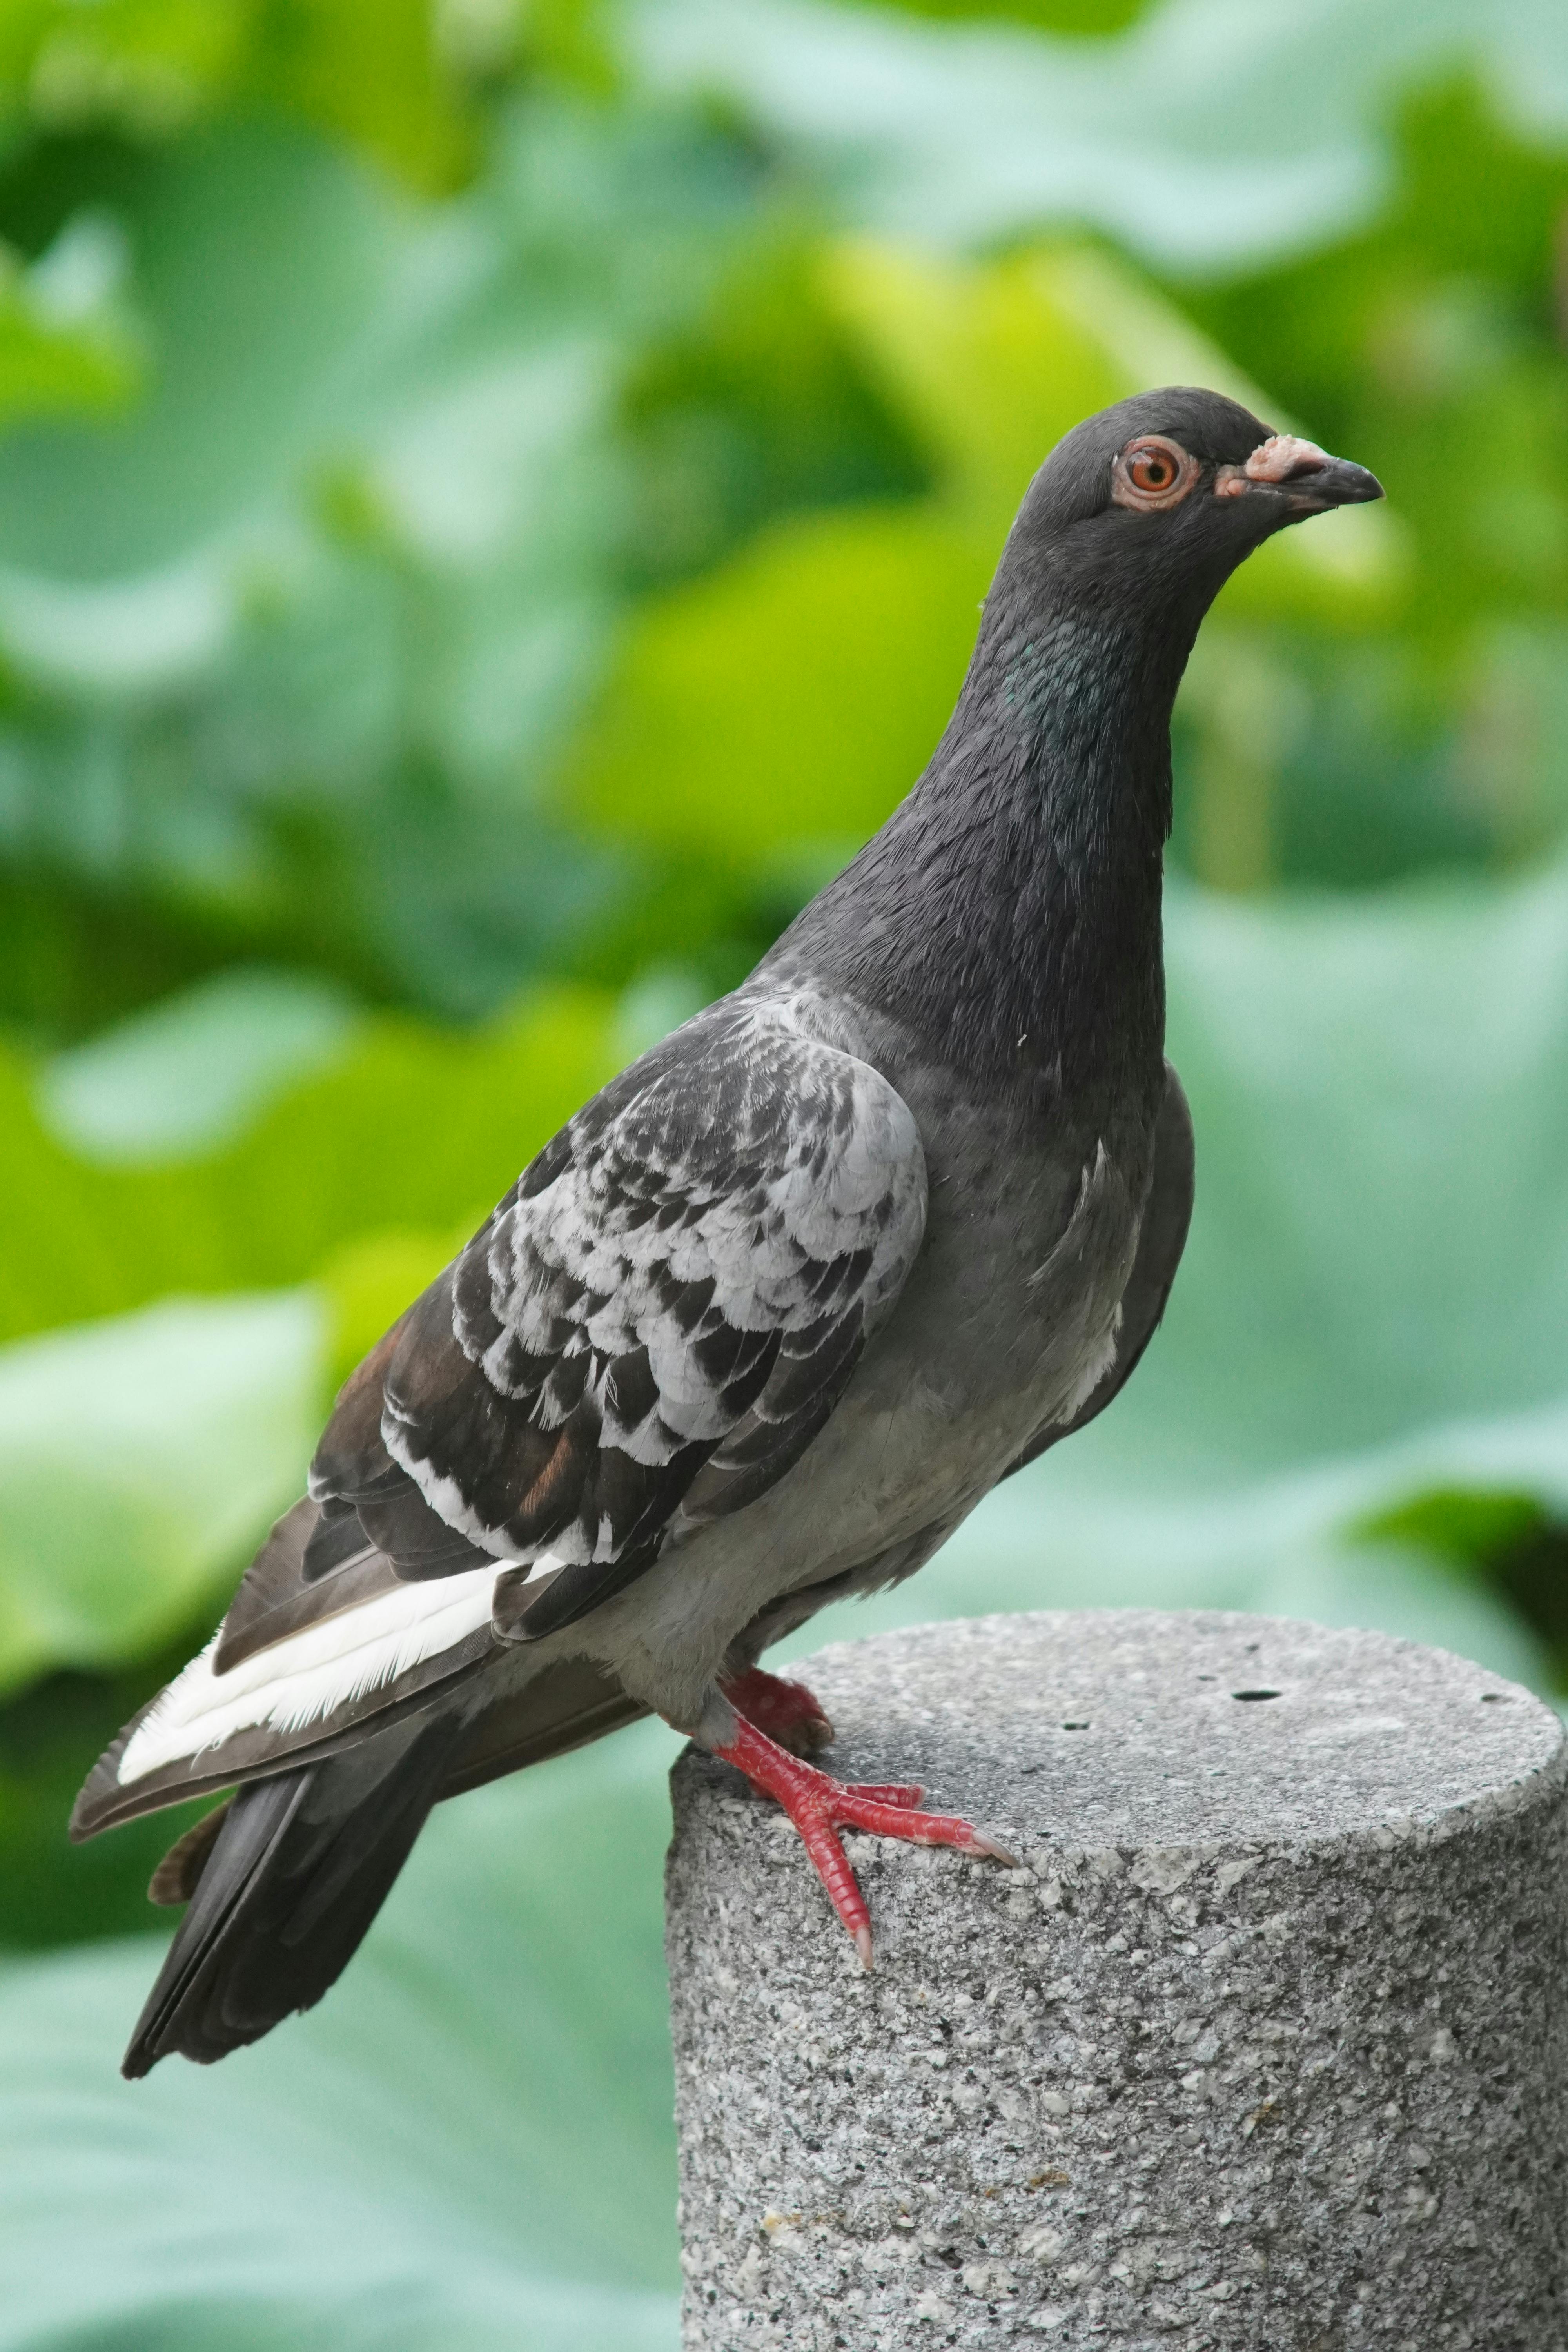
(1297, 472)
(1332, 482)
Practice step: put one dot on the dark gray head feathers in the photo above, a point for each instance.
(1075, 480)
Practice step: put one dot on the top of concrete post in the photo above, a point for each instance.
(1147, 1728)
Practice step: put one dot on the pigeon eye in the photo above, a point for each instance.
(1152, 472)
(1152, 469)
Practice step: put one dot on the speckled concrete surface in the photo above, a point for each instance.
(1264, 2045)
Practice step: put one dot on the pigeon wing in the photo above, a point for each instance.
(680, 1284)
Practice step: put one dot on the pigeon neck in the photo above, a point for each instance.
(1010, 908)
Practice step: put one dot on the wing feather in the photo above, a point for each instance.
(696, 1261)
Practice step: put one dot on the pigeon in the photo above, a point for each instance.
(773, 1312)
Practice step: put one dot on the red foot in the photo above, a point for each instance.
(820, 1806)
(785, 1711)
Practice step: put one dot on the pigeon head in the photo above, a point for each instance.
(1164, 495)
(1012, 903)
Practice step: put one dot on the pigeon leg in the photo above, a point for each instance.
(820, 1806)
(785, 1711)
(791, 1717)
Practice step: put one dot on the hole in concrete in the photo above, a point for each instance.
(1075, 1727)
(1494, 1698)
(1256, 1693)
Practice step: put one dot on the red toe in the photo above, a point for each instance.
(820, 1806)
(884, 1793)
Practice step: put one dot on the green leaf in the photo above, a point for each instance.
(138, 1460)
(142, 1457)
(263, 262)
(1099, 17)
(409, 1127)
(193, 1072)
(471, 2143)
(794, 694)
(1460, 1525)
(1193, 138)
(52, 1892)
(66, 346)
(288, 646)
(1380, 1089)
(146, 67)
(377, 75)
(989, 365)
(1510, 1541)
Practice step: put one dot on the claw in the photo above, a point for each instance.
(820, 1806)
(988, 1845)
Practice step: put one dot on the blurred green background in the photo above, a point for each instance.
(493, 501)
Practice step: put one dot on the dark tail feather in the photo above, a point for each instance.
(296, 1873)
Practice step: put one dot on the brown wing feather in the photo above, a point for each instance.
(565, 1707)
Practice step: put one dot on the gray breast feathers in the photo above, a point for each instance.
(1163, 1235)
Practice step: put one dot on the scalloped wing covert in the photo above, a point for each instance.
(677, 1288)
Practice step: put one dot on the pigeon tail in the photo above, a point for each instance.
(282, 1894)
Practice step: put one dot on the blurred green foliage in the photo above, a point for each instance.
(477, 2154)
(1433, 344)
(494, 505)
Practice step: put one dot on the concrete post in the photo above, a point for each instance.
(1263, 2046)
